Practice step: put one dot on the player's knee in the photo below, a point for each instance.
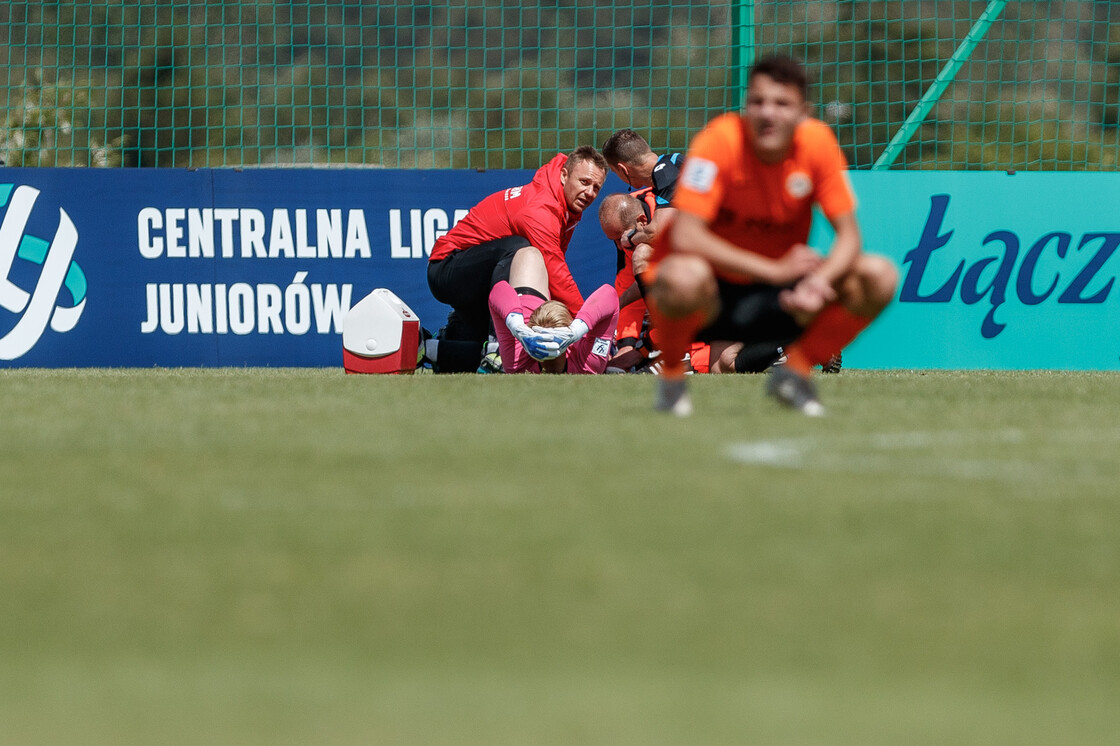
(871, 286)
(724, 361)
(684, 284)
(880, 278)
(528, 254)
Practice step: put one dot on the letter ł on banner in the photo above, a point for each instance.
(918, 258)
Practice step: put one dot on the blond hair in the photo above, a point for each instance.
(551, 314)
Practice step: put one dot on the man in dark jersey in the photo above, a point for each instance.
(476, 254)
(632, 159)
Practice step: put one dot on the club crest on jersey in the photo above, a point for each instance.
(699, 174)
(799, 185)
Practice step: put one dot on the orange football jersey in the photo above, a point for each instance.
(764, 208)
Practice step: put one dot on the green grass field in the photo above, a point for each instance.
(298, 556)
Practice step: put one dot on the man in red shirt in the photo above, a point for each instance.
(734, 263)
(476, 254)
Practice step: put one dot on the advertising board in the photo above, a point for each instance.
(224, 267)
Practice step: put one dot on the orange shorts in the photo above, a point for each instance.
(631, 317)
(699, 356)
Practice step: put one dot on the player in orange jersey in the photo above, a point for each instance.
(734, 263)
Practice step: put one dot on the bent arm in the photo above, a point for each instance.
(845, 250)
(600, 312)
(591, 353)
(630, 290)
(630, 294)
(504, 300)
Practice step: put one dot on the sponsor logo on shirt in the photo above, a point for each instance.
(602, 347)
(799, 185)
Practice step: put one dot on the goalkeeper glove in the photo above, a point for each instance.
(540, 346)
(565, 335)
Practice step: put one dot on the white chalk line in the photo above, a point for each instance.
(900, 453)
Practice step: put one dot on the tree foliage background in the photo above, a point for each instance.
(497, 83)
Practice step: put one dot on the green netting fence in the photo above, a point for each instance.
(504, 84)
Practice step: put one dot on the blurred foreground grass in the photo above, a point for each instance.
(296, 556)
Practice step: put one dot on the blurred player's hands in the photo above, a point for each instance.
(565, 335)
(541, 345)
(806, 298)
(796, 263)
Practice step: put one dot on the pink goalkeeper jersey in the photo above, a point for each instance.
(587, 355)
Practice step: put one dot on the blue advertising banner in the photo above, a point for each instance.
(145, 267)
(152, 267)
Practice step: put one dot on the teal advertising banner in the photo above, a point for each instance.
(997, 270)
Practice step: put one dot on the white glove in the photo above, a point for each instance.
(541, 345)
(566, 335)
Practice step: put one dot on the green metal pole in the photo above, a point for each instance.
(975, 34)
(742, 41)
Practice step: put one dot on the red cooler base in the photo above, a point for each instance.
(402, 360)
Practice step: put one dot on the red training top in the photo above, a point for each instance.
(537, 212)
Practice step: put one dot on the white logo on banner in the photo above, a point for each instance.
(38, 307)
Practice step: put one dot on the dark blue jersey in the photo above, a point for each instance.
(665, 175)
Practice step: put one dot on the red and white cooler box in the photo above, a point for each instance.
(380, 334)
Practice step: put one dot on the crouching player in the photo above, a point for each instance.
(734, 265)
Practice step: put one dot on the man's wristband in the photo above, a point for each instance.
(627, 240)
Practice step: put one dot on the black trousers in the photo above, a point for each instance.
(463, 280)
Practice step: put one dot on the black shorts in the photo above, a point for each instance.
(463, 280)
(751, 313)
